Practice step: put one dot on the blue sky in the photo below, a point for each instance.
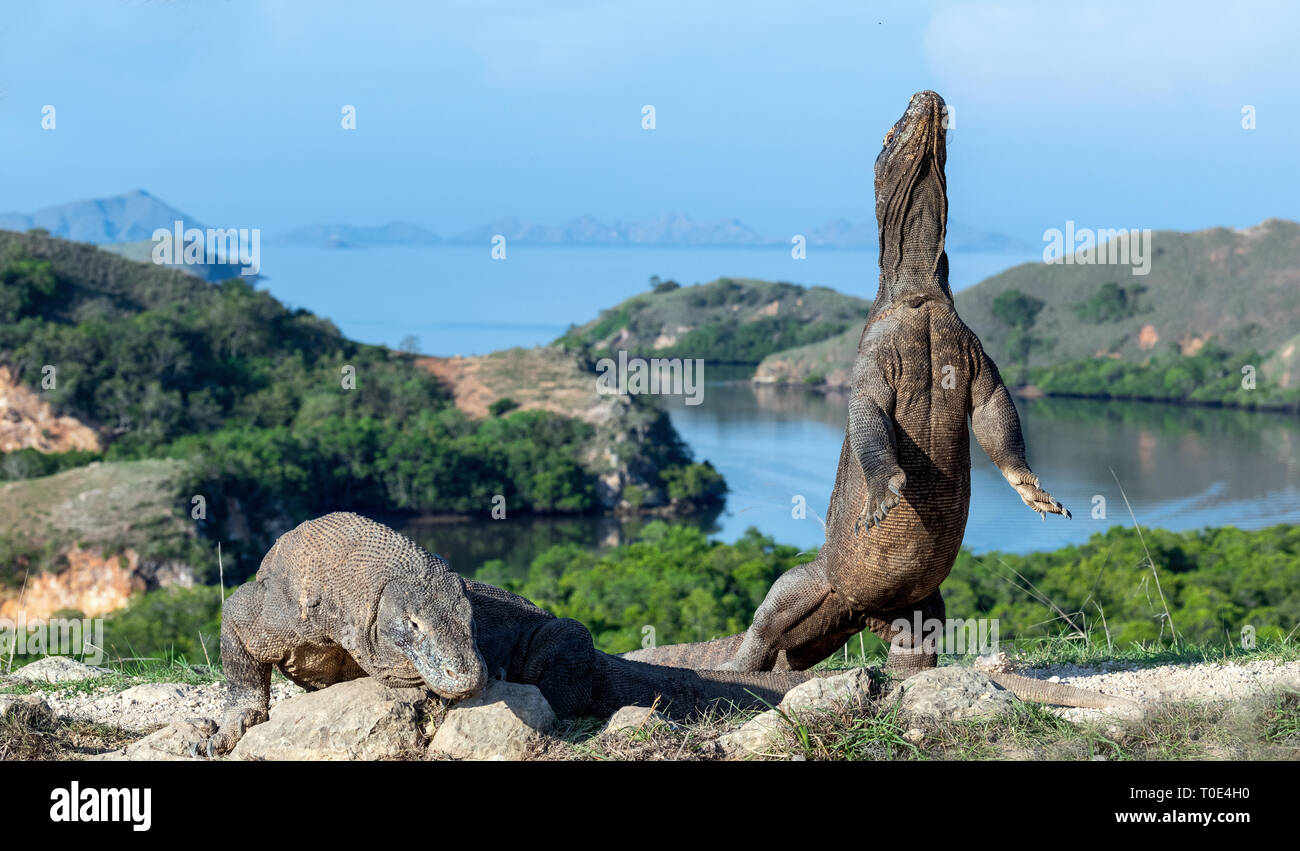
(1111, 114)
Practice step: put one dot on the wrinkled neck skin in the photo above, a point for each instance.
(912, 208)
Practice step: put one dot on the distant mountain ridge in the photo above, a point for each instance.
(122, 224)
(670, 229)
(130, 217)
(133, 216)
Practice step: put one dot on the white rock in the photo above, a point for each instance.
(952, 693)
(633, 718)
(355, 720)
(755, 737)
(825, 693)
(57, 669)
(503, 722)
(171, 743)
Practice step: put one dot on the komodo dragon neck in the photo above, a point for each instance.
(912, 208)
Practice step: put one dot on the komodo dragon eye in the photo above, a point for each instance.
(415, 625)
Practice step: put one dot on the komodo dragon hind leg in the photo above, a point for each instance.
(795, 597)
(559, 660)
(909, 654)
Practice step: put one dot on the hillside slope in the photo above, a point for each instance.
(1235, 288)
(283, 418)
(730, 320)
(1214, 301)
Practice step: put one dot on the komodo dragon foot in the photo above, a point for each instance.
(232, 730)
(1035, 497)
(883, 496)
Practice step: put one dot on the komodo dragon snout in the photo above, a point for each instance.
(440, 640)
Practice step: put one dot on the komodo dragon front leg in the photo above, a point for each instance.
(248, 676)
(997, 428)
(872, 440)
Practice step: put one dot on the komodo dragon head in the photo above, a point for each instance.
(912, 206)
(429, 621)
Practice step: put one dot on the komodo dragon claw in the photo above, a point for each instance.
(1032, 495)
(868, 518)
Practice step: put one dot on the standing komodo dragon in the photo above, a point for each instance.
(342, 597)
(898, 509)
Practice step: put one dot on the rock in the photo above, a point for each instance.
(827, 693)
(824, 694)
(29, 709)
(953, 694)
(57, 669)
(503, 722)
(172, 742)
(630, 719)
(356, 720)
(154, 693)
(755, 737)
(998, 663)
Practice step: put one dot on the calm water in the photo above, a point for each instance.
(455, 299)
(1181, 468)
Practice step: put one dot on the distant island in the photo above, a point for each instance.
(670, 229)
(131, 218)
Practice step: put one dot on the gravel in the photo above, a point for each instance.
(1208, 681)
(150, 705)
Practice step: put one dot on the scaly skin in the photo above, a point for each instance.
(342, 597)
(898, 509)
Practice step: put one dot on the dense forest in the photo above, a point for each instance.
(273, 406)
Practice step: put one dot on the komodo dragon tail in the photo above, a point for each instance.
(683, 692)
(705, 654)
(1059, 694)
(700, 654)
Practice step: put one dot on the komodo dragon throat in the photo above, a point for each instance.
(898, 509)
(342, 597)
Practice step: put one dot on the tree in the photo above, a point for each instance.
(1019, 311)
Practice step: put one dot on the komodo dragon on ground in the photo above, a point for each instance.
(342, 597)
(898, 509)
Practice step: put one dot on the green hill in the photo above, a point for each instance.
(278, 417)
(1215, 301)
(731, 320)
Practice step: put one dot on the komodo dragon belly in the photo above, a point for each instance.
(315, 666)
(904, 559)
